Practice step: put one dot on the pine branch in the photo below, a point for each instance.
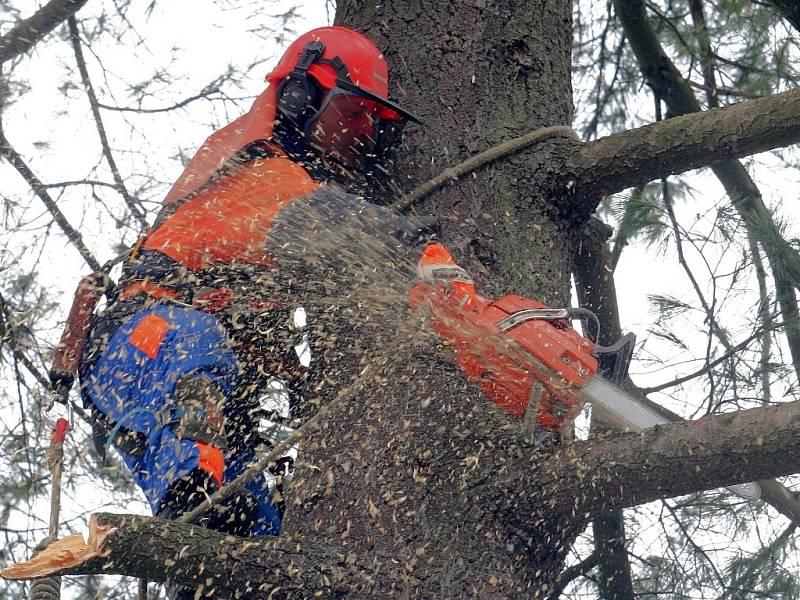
(667, 82)
(595, 284)
(32, 30)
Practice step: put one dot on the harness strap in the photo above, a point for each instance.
(151, 289)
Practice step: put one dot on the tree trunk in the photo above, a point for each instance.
(479, 73)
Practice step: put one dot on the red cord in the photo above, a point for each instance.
(59, 432)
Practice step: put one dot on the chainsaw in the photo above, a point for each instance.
(527, 359)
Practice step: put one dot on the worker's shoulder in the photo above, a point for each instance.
(275, 169)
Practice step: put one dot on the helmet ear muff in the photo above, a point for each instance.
(298, 98)
(298, 95)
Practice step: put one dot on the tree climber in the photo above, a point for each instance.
(172, 371)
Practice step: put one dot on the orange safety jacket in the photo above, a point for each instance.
(231, 248)
(229, 221)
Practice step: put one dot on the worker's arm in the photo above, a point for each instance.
(338, 238)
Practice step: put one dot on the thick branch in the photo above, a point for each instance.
(634, 157)
(29, 32)
(670, 460)
(778, 496)
(223, 566)
(581, 479)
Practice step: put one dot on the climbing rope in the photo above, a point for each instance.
(49, 588)
(469, 165)
(46, 588)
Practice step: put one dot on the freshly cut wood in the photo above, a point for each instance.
(69, 552)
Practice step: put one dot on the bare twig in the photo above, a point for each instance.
(725, 91)
(133, 203)
(765, 317)
(40, 189)
(204, 93)
(62, 184)
(697, 549)
(732, 351)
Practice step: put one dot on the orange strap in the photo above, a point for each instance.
(151, 289)
(211, 461)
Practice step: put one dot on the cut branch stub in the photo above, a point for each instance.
(67, 553)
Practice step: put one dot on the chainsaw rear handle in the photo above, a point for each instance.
(70, 348)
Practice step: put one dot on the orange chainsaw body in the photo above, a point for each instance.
(508, 364)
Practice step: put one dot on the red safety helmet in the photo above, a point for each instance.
(332, 83)
(337, 57)
(342, 63)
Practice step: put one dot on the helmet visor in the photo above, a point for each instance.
(389, 110)
(346, 126)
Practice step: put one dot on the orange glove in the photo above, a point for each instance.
(439, 271)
